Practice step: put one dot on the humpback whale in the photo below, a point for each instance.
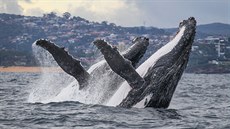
(152, 84)
(99, 75)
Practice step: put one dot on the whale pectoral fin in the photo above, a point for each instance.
(137, 50)
(69, 64)
(119, 64)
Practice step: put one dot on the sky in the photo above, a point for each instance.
(156, 13)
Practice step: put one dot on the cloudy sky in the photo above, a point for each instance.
(157, 13)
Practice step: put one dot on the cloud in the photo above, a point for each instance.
(116, 11)
(29, 1)
(158, 13)
(166, 13)
(34, 12)
(10, 6)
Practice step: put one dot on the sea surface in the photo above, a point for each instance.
(200, 102)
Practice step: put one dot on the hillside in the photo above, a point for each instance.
(211, 49)
(76, 34)
(215, 29)
(208, 29)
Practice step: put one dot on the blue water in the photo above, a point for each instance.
(200, 101)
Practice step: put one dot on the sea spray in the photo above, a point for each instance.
(49, 83)
(59, 86)
(98, 91)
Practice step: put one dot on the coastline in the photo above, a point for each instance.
(36, 69)
(209, 69)
(32, 69)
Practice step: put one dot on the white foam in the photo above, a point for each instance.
(95, 66)
(48, 85)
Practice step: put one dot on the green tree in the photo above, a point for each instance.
(66, 15)
(104, 22)
(50, 15)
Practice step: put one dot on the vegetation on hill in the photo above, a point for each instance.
(211, 49)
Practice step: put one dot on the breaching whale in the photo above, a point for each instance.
(152, 84)
(99, 75)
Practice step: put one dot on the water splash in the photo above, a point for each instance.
(59, 86)
(49, 83)
(97, 92)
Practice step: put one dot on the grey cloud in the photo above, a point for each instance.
(168, 13)
(85, 13)
(128, 17)
(125, 16)
(10, 6)
(29, 1)
(35, 12)
(158, 13)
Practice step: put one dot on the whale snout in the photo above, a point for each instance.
(41, 42)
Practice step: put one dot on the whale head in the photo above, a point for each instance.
(170, 61)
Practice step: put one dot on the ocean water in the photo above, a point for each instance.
(200, 101)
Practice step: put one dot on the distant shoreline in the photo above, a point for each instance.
(29, 69)
(36, 69)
